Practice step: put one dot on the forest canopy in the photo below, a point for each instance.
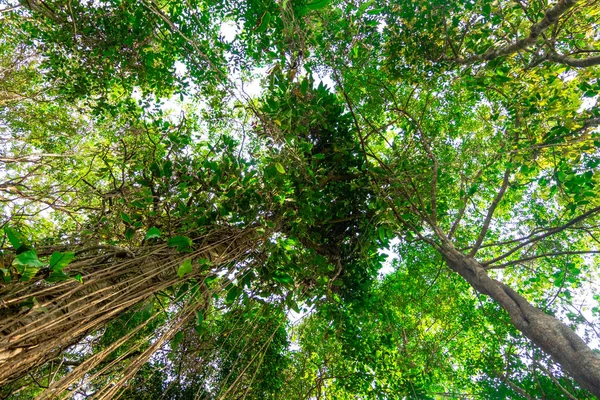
(299, 199)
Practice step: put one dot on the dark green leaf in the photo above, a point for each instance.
(183, 243)
(177, 338)
(57, 276)
(263, 22)
(233, 293)
(129, 233)
(126, 218)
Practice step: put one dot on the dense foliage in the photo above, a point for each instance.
(299, 199)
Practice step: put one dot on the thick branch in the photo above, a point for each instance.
(548, 333)
(574, 62)
(551, 16)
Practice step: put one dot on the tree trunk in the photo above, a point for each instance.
(66, 312)
(548, 333)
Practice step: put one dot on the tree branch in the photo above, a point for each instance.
(549, 232)
(490, 213)
(551, 16)
(559, 253)
(574, 62)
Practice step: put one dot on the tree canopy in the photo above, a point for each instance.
(299, 199)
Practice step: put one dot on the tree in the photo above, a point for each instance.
(462, 134)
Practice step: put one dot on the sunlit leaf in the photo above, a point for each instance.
(185, 268)
(153, 233)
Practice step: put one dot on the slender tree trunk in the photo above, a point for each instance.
(66, 312)
(548, 333)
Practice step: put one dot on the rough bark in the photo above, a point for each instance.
(548, 333)
(550, 17)
(68, 311)
(574, 62)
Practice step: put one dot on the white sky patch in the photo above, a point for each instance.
(388, 264)
(588, 103)
(326, 80)
(253, 87)
(229, 31)
(180, 68)
(567, 76)
(294, 319)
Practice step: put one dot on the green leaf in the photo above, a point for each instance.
(6, 276)
(283, 278)
(155, 169)
(29, 303)
(60, 260)
(204, 263)
(13, 237)
(57, 276)
(146, 312)
(28, 258)
(185, 268)
(363, 7)
(292, 304)
(315, 5)
(183, 289)
(176, 340)
(210, 279)
(280, 168)
(200, 329)
(27, 272)
(375, 11)
(168, 168)
(37, 306)
(126, 218)
(22, 249)
(153, 233)
(382, 233)
(183, 243)
(78, 278)
(129, 233)
(263, 22)
(233, 294)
